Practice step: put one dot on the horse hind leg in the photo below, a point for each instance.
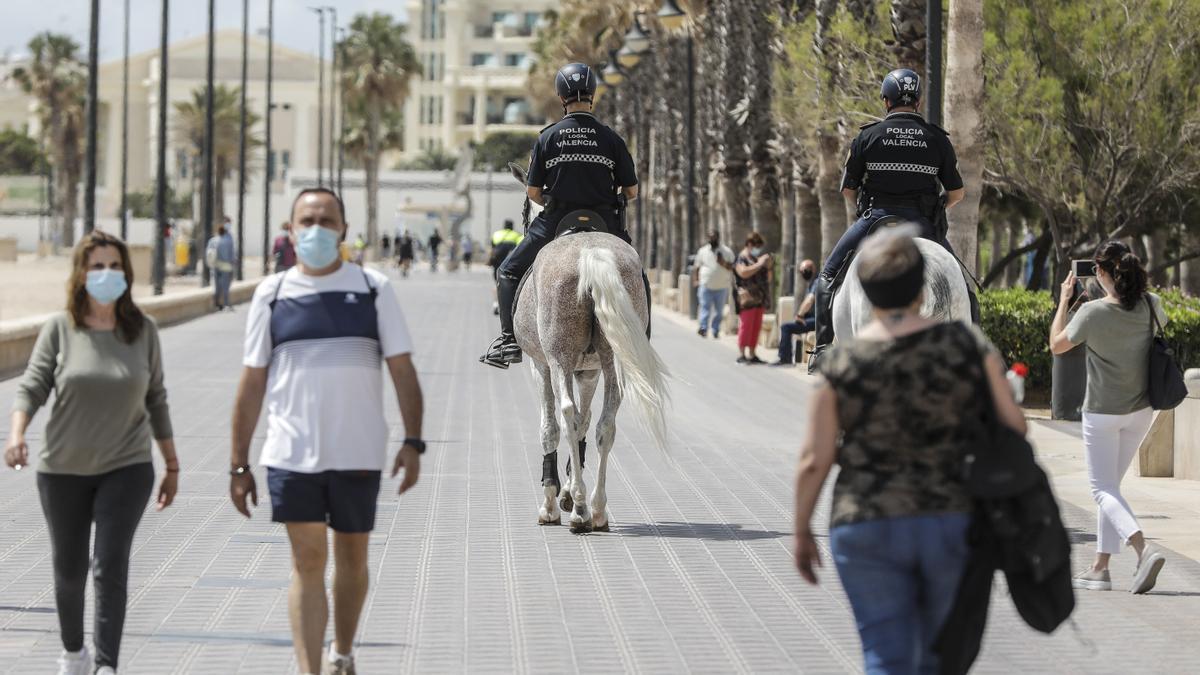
(564, 394)
(588, 380)
(606, 433)
(548, 513)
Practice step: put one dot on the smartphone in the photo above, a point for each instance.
(1083, 268)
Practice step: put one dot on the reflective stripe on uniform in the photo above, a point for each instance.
(897, 166)
(595, 159)
(506, 237)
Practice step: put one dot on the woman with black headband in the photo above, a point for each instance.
(892, 409)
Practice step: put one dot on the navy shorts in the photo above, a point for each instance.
(345, 500)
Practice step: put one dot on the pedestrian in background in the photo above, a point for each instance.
(1117, 329)
(317, 339)
(753, 283)
(468, 249)
(283, 252)
(385, 248)
(435, 242)
(405, 253)
(102, 359)
(711, 278)
(805, 318)
(893, 408)
(220, 255)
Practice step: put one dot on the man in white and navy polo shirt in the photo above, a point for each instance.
(317, 337)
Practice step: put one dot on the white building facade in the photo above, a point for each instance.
(475, 56)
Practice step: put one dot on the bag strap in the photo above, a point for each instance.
(1155, 327)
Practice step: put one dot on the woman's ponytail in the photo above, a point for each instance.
(1125, 268)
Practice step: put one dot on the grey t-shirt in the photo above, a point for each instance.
(109, 397)
(1118, 353)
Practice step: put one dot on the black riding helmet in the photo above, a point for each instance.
(575, 82)
(901, 87)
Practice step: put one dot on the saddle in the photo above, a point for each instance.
(579, 220)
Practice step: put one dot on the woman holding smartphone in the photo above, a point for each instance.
(1117, 329)
(101, 358)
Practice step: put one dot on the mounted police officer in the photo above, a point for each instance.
(896, 167)
(577, 163)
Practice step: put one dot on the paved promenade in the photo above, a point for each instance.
(696, 575)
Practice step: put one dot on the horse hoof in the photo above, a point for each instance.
(600, 528)
(566, 503)
(600, 521)
(550, 521)
(581, 527)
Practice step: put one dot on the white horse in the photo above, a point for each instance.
(946, 293)
(583, 312)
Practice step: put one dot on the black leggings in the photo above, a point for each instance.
(115, 501)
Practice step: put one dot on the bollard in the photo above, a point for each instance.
(1186, 444)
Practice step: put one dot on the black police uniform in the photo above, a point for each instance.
(579, 163)
(898, 163)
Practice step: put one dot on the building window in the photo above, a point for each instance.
(483, 59)
(514, 60)
(507, 18)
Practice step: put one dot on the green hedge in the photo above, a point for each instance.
(1018, 323)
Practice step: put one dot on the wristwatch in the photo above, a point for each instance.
(239, 470)
(416, 443)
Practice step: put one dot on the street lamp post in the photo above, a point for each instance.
(333, 95)
(933, 61)
(125, 131)
(341, 141)
(320, 95)
(89, 189)
(268, 165)
(206, 208)
(160, 188)
(241, 206)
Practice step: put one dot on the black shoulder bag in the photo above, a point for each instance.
(1165, 384)
(1000, 461)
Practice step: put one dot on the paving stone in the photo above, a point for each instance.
(696, 575)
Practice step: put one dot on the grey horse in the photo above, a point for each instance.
(946, 293)
(580, 313)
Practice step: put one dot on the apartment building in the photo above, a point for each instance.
(476, 56)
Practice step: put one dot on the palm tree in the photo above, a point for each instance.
(189, 132)
(964, 96)
(57, 80)
(908, 30)
(377, 64)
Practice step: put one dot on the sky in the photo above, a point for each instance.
(295, 25)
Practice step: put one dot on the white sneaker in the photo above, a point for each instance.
(1149, 566)
(75, 663)
(106, 670)
(338, 664)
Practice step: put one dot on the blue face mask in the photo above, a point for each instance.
(106, 286)
(317, 247)
(756, 251)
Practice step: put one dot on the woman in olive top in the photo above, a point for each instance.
(1117, 330)
(102, 360)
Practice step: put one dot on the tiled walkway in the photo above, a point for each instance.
(696, 575)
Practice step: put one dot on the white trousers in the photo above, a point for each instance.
(1111, 443)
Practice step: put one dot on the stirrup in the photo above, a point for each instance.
(502, 353)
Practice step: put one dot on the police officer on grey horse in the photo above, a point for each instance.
(577, 163)
(896, 169)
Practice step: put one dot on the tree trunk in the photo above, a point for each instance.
(1012, 273)
(808, 227)
(738, 218)
(68, 174)
(908, 30)
(1156, 255)
(1189, 270)
(999, 230)
(964, 97)
(787, 241)
(374, 130)
(829, 194)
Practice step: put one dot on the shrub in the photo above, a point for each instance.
(1018, 323)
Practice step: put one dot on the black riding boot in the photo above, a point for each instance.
(974, 305)
(822, 320)
(504, 350)
(649, 303)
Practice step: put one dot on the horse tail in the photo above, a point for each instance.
(641, 374)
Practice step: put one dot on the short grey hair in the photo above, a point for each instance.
(888, 253)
